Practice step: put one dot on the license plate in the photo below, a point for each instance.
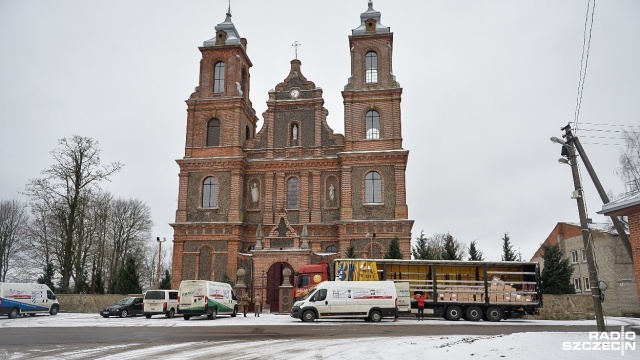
(105, 312)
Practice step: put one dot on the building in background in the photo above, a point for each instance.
(286, 195)
(614, 266)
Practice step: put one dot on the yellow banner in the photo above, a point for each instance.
(356, 271)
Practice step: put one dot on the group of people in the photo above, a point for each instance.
(257, 304)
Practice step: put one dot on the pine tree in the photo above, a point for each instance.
(507, 249)
(451, 250)
(351, 252)
(556, 274)
(421, 250)
(474, 254)
(226, 279)
(394, 250)
(165, 282)
(47, 276)
(127, 281)
(99, 286)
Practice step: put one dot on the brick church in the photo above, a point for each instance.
(293, 192)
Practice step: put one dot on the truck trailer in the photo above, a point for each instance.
(470, 290)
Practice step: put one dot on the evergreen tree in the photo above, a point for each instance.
(47, 276)
(451, 250)
(421, 250)
(474, 254)
(394, 250)
(507, 249)
(127, 281)
(165, 281)
(351, 252)
(226, 279)
(99, 285)
(556, 275)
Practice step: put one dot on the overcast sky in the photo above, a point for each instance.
(485, 85)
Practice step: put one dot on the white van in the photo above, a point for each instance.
(160, 302)
(369, 300)
(202, 297)
(27, 298)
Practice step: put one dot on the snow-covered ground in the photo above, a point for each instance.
(521, 346)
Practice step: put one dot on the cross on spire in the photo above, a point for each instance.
(296, 44)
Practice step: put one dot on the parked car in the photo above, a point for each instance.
(130, 306)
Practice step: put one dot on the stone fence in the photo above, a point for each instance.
(556, 307)
(87, 303)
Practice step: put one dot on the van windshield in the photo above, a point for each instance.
(310, 294)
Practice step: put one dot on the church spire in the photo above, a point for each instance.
(370, 22)
(226, 32)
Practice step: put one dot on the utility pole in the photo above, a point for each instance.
(584, 225)
(159, 260)
(603, 195)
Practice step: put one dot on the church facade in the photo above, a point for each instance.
(294, 192)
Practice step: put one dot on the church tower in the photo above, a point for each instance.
(220, 119)
(373, 161)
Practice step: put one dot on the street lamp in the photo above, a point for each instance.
(159, 259)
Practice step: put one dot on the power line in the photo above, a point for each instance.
(584, 60)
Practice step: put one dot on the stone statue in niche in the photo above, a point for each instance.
(332, 194)
(254, 193)
(294, 132)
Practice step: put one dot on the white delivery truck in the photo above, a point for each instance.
(369, 300)
(27, 298)
(202, 297)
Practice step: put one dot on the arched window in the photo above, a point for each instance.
(373, 125)
(210, 193)
(218, 77)
(213, 133)
(292, 193)
(371, 67)
(373, 188)
(331, 249)
(247, 132)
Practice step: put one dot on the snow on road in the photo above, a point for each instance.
(521, 346)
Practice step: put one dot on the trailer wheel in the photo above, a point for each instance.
(308, 316)
(375, 316)
(494, 314)
(453, 313)
(14, 313)
(473, 313)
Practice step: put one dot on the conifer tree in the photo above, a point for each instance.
(394, 250)
(165, 281)
(127, 281)
(556, 274)
(451, 250)
(421, 250)
(474, 253)
(507, 249)
(47, 276)
(351, 252)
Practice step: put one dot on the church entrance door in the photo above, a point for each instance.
(274, 280)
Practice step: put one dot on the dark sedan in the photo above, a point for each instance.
(131, 306)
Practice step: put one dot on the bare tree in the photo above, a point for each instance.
(13, 226)
(64, 187)
(630, 155)
(129, 227)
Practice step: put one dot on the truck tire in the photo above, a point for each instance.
(453, 313)
(187, 317)
(54, 310)
(375, 316)
(494, 314)
(148, 316)
(13, 313)
(212, 313)
(473, 313)
(308, 316)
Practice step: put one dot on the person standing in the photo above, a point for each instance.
(257, 305)
(245, 303)
(420, 298)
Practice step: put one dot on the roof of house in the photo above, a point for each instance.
(630, 200)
